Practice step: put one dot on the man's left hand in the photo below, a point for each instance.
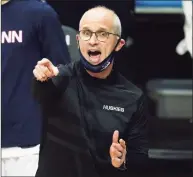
(117, 150)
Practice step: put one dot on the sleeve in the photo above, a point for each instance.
(49, 91)
(137, 140)
(44, 92)
(52, 38)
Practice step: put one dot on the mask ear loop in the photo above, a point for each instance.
(116, 44)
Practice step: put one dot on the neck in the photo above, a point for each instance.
(102, 75)
(4, 2)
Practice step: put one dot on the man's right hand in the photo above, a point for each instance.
(45, 70)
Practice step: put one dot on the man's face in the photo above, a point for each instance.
(96, 50)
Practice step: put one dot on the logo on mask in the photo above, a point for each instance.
(106, 65)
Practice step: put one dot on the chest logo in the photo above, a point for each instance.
(113, 108)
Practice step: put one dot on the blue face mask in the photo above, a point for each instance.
(101, 66)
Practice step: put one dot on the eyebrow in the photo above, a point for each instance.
(100, 29)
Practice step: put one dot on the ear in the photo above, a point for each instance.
(77, 39)
(120, 45)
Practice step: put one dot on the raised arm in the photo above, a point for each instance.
(131, 154)
(49, 81)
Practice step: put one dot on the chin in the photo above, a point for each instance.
(93, 63)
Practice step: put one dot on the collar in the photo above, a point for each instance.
(110, 80)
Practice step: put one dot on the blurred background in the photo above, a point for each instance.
(156, 58)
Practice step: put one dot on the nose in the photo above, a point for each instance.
(93, 40)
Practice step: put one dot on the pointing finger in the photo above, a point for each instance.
(44, 61)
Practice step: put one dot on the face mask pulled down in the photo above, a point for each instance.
(101, 66)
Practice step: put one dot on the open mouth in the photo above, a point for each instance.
(94, 56)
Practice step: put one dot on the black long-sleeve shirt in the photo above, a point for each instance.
(82, 112)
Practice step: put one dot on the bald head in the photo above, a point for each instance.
(101, 12)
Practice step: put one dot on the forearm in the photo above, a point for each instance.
(53, 87)
(43, 91)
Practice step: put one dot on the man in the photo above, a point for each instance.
(185, 45)
(30, 30)
(95, 117)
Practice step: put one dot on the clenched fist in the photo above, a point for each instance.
(45, 70)
(117, 150)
